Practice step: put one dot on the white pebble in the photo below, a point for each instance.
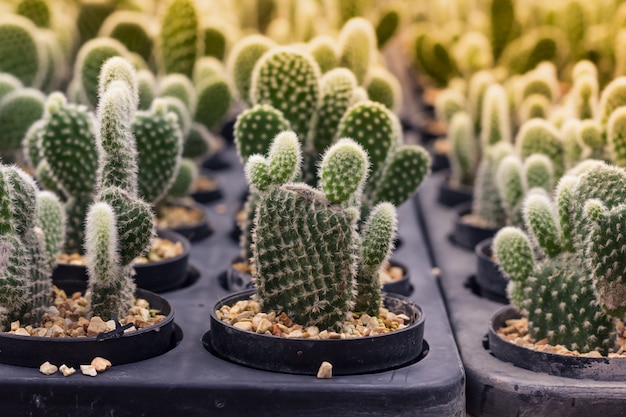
(47, 368)
(325, 371)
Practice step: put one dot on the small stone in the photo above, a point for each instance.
(296, 334)
(67, 371)
(96, 326)
(593, 354)
(56, 331)
(22, 332)
(263, 326)
(244, 325)
(88, 370)
(100, 364)
(15, 325)
(110, 325)
(47, 368)
(325, 371)
(334, 335)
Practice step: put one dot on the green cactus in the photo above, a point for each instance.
(242, 61)
(449, 102)
(8, 83)
(324, 50)
(91, 15)
(502, 19)
(357, 45)
(584, 67)
(584, 96)
(35, 10)
(464, 150)
(91, 56)
(590, 134)
(255, 128)
(159, 145)
(616, 136)
(382, 86)
(19, 109)
(495, 123)
(572, 149)
(180, 37)
(288, 80)
(535, 106)
(130, 29)
(336, 93)
(546, 43)
(198, 143)
(146, 87)
(613, 96)
(180, 87)
(433, 59)
(20, 53)
(387, 26)
(215, 41)
(185, 179)
(539, 136)
(177, 107)
(349, 9)
(476, 89)
(56, 67)
(50, 218)
(472, 53)
(215, 97)
(207, 68)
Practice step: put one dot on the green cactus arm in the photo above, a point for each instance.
(449, 102)
(255, 128)
(383, 87)
(215, 42)
(541, 220)
(535, 106)
(50, 218)
(387, 26)
(288, 80)
(40, 285)
(590, 134)
(119, 69)
(584, 67)
(30, 144)
(487, 204)
(91, 56)
(495, 123)
(604, 250)
(243, 59)
(179, 86)
(8, 83)
(502, 19)
(183, 118)
(539, 172)
(539, 136)
(132, 30)
(336, 92)
(572, 149)
(616, 136)
(403, 173)
(184, 180)
(323, 49)
(472, 52)
(257, 172)
(146, 88)
(583, 98)
(180, 41)
(613, 96)
(464, 149)
(20, 53)
(14, 285)
(19, 109)
(215, 97)
(284, 158)
(198, 142)
(36, 11)
(514, 255)
(343, 171)
(511, 185)
(357, 44)
(564, 195)
(110, 286)
(477, 86)
(90, 17)
(23, 199)
(207, 68)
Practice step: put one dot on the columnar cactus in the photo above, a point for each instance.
(449, 102)
(180, 37)
(242, 60)
(315, 290)
(476, 89)
(119, 225)
(583, 98)
(357, 44)
(495, 123)
(465, 150)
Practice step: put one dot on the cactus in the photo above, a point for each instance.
(180, 87)
(387, 26)
(449, 102)
(89, 61)
(176, 106)
(382, 86)
(433, 59)
(255, 128)
(288, 80)
(56, 66)
(20, 53)
(535, 106)
(336, 92)
(19, 109)
(583, 98)
(242, 60)
(8, 83)
(572, 149)
(36, 10)
(464, 152)
(472, 53)
(159, 145)
(184, 180)
(214, 101)
(539, 136)
(215, 41)
(180, 37)
(495, 123)
(502, 19)
(129, 29)
(197, 143)
(613, 96)
(119, 225)
(590, 134)
(616, 136)
(545, 43)
(146, 87)
(476, 89)
(317, 290)
(324, 52)
(91, 15)
(357, 44)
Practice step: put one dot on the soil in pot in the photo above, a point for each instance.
(207, 189)
(469, 230)
(67, 337)
(489, 277)
(164, 268)
(509, 341)
(241, 333)
(184, 217)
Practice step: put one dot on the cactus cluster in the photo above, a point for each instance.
(328, 263)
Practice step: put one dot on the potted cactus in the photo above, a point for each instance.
(318, 287)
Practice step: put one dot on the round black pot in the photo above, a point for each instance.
(160, 276)
(232, 279)
(402, 286)
(489, 277)
(207, 196)
(304, 356)
(439, 162)
(452, 196)
(599, 369)
(194, 232)
(32, 351)
(467, 235)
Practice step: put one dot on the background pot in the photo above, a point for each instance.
(467, 235)
(599, 369)
(402, 286)
(208, 196)
(304, 356)
(160, 276)
(489, 277)
(194, 232)
(32, 351)
(452, 196)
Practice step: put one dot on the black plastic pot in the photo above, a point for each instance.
(402, 286)
(32, 351)
(304, 356)
(160, 276)
(207, 196)
(194, 232)
(467, 235)
(452, 196)
(489, 277)
(599, 369)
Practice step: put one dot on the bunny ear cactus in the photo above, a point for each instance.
(215, 41)
(616, 136)
(472, 53)
(20, 53)
(184, 180)
(180, 37)
(146, 88)
(433, 59)
(288, 80)
(180, 87)
(535, 106)
(383, 87)
(387, 26)
(36, 11)
(214, 101)
(198, 142)
(242, 61)
(502, 19)
(590, 134)
(119, 225)
(19, 109)
(583, 98)
(183, 118)
(539, 136)
(357, 45)
(465, 149)
(572, 148)
(324, 51)
(613, 96)
(495, 123)
(449, 102)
